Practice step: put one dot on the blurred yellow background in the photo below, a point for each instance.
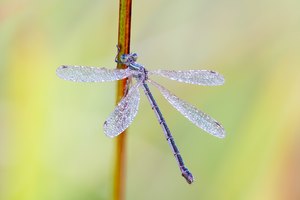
(52, 144)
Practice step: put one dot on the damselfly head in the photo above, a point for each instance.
(128, 58)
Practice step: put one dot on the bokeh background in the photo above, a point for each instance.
(52, 144)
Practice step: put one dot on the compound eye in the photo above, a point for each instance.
(134, 56)
(123, 58)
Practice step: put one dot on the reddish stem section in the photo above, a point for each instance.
(124, 45)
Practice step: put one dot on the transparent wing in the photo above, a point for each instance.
(124, 113)
(91, 74)
(199, 77)
(196, 116)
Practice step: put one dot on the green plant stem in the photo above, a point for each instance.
(124, 45)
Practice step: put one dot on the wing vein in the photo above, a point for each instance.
(198, 77)
(91, 74)
(195, 115)
(124, 113)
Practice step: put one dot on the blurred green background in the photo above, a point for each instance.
(52, 144)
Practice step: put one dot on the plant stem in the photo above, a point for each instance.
(124, 45)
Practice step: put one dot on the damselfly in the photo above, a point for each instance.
(127, 108)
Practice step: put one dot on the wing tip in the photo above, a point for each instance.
(222, 135)
(110, 136)
(105, 129)
(220, 131)
(109, 133)
(220, 77)
(63, 66)
(60, 69)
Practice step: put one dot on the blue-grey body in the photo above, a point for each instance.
(127, 108)
(142, 75)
